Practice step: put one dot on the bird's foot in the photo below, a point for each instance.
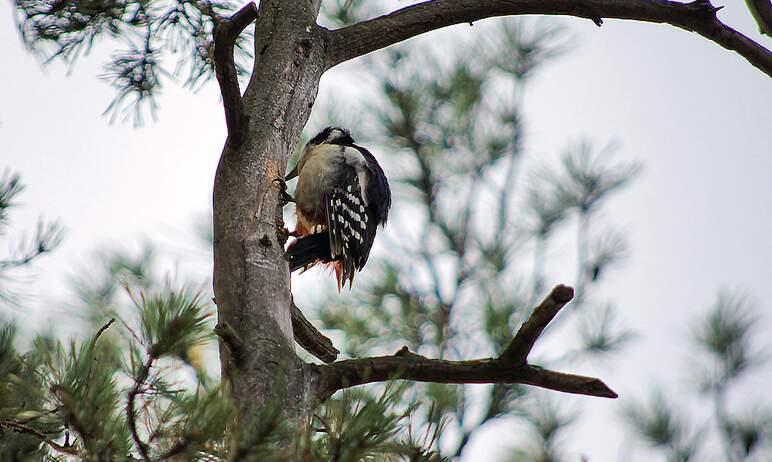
(284, 196)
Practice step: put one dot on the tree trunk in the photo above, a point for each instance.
(251, 276)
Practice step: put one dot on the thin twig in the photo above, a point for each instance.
(131, 412)
(103, 328)
(21, 428)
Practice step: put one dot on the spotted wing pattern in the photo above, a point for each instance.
(351, 226)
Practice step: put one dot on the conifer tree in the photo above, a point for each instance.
(265, 386)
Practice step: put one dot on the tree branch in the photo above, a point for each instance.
(226, 32)
(410, 366)
(761, 10)
(697, 16)
(131, 411)
(518, 350)
(21, 428)
(310, 339)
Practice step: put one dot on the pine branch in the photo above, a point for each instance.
(697, 16)
(508, 368)
(131, 412)
(226, 32)
(21, 428)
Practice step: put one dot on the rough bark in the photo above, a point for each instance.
(251, 277)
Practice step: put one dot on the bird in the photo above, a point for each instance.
(341, 198)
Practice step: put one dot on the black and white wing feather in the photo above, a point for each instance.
(351, 225)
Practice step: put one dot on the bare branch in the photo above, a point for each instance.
(310, 339)
(226, 32)
(517, 351)
(761, 10)
(697, 16)
(410, 366)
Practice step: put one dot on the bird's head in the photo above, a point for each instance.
(331, 135)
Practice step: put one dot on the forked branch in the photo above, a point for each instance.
(510, 367)
(226, 32)
(518, 350)
(697, 16)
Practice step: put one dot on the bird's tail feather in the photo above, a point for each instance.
(309, 249)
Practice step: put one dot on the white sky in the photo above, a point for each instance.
(699, 216)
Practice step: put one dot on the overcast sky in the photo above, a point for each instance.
(698, 217)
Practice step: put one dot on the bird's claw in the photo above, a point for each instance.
(284, 196)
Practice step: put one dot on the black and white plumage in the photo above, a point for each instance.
(341, 198)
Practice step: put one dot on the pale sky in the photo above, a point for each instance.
(698, 217)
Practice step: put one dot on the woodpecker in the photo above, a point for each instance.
(341, 198)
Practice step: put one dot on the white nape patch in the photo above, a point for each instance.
(335, 133)
(354, 158)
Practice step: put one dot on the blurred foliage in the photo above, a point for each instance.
(153, 41)
(131, 385)
(546, 421)
(660, 424)
(472, 229)
(151, 33)
(25, 250)
(725, 336)
(341, 13)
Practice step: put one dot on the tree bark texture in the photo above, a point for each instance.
(251, 275)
